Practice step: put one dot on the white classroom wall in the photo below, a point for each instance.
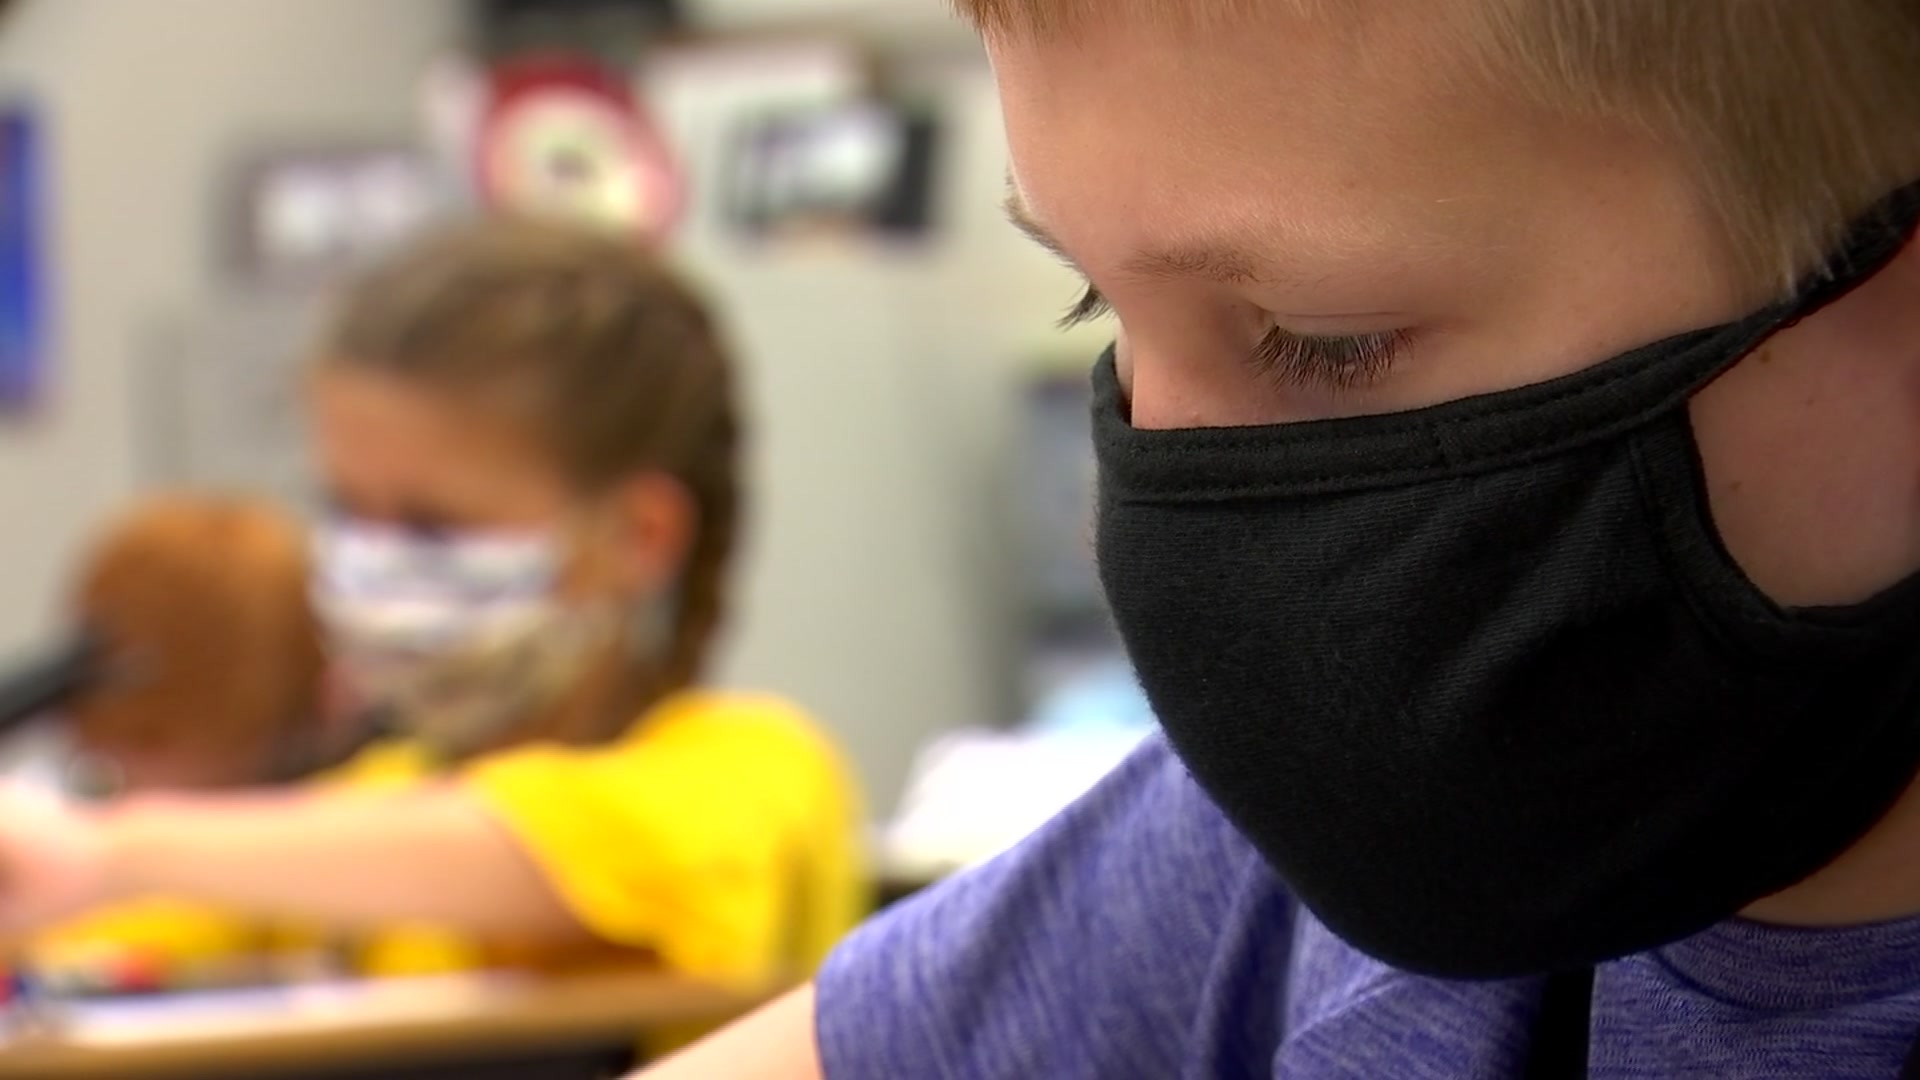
(144, 103)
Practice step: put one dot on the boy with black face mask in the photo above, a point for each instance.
(1509, 500)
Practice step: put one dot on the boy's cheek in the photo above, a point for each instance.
(1809, 460)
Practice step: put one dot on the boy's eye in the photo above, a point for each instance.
(1288, 358)
(1329, 363)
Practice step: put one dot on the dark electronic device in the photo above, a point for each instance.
(45, 682)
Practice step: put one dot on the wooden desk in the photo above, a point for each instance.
(429, 1028)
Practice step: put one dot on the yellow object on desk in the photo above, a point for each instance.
(171, 934)
(721, 835)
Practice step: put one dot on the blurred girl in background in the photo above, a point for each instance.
(530, 437)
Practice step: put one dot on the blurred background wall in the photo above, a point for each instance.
(143, 106)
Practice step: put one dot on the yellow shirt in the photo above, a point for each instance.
(721, 835)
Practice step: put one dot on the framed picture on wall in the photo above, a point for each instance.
(305, 216)
(861, 168)
(24, 346)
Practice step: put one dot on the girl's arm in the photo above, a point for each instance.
(431, 854)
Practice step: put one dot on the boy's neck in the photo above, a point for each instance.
(1877, 880)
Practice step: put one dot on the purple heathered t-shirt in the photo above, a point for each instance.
(1138, 935)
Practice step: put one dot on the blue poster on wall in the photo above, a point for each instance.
(23, 344)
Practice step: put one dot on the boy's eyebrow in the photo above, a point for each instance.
(1227, 265)
(1016, 210)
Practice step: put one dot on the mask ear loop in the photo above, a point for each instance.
(650, 626)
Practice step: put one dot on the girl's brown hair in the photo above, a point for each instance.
(614, 361)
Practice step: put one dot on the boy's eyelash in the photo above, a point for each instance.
(1337, 363)
(1089, 307)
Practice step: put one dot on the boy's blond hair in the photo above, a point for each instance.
(1794, 115)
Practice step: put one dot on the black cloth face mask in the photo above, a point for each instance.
(1480, 681)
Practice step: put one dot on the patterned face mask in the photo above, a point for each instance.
(453, 640)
